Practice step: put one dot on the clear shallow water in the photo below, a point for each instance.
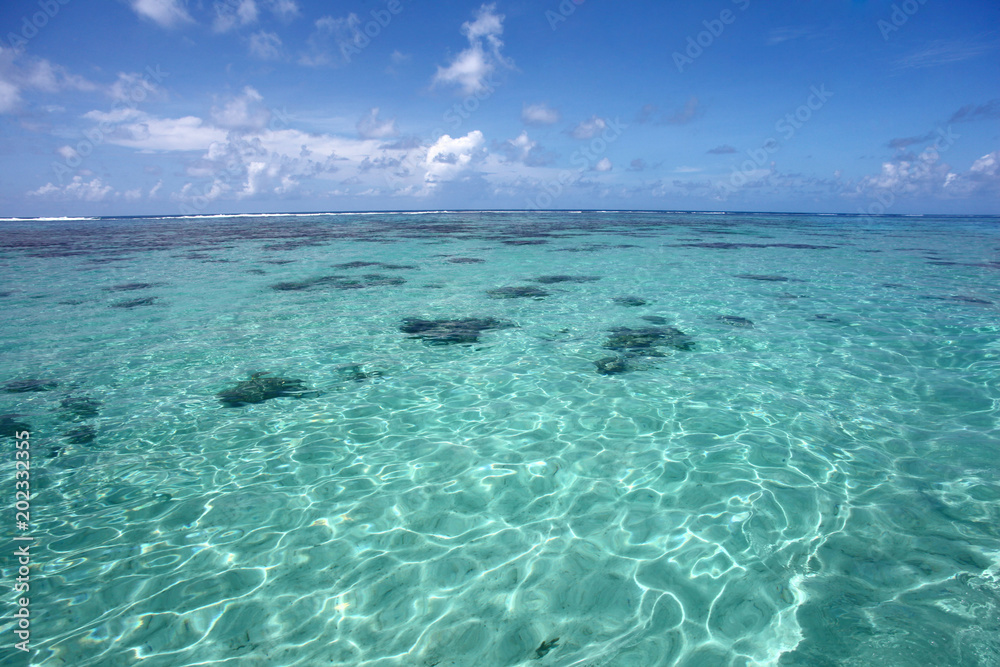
(819, 489)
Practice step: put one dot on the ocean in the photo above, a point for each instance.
(488, 439)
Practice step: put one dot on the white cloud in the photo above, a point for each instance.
(10, 96)
(539, 114)
(93, 190)
(229, 15)
(135, 129)
(590, 128)
(927, 175)
(265, 45)
(370, 127)
(243, 112)
(604, 164)
(165, 13)
(286, 10)
(471, 68)
(448, 158)
(133, 88)
(67, 152)
(19, 72)
(986, 165)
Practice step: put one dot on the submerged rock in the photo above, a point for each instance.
(26, 386)
(734, 321)
(466, 260)
(82, 435)
(971, 299)
(769, 278)
(81, 407)
(259, 388)
(545, 647)
(645, 341)
(135, 303)
(630, 301)
(654, 319)
(612, 365)
(356, 373)
(552, 280)
(449, 332)
(129, 287)
(10, 426)
(339, 282)
(381, 265)
(517, 292)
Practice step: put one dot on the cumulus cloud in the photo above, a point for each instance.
(539, 114)
(165, 13)
(929, 176)
(604, 164)
(370, 127)
(525, 151)
(245, 111)
(265, 45)
(471, 68)
(589, 128)
(448, 158)
(93, 190)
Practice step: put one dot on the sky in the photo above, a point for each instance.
(171, 107)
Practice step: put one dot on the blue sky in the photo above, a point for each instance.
(135, 107)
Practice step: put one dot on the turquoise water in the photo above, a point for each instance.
(812, 481)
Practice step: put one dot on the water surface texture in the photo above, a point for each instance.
(497, 439)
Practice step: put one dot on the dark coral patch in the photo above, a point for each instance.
(135, 303)
(768, 278)
(259, 388)
(82, 435)
(646, 340)
(339, 282)
(466, 260)
(612, 365)
(552, 280)
(10, 426)
(734, 321)
(450, 332)
(28, 386)
(129, 287)
(630, 301)
(517, 292)
(80, 407)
